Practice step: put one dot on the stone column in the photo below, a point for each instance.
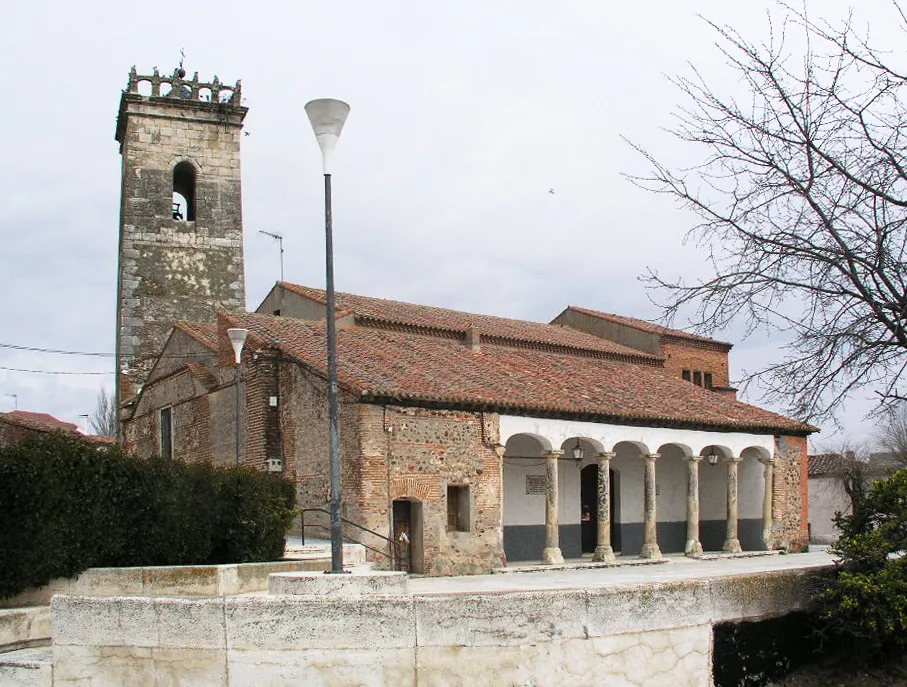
(650, 544)
(769, 465)
(693, 546)
(731, 543)
(603, 551)
(552, 555)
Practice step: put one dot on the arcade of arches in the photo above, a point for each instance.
(632, 490)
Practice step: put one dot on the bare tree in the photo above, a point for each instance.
(801, 192)
(892, 432)
(104, 419)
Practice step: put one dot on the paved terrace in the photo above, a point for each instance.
(671, 569)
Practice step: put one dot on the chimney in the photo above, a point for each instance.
(472, 338)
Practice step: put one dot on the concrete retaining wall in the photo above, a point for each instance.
(651, 634)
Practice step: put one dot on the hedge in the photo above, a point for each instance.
(66, 506)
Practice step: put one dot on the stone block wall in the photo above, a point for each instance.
(633, 634)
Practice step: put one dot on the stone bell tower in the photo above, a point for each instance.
(181, 241)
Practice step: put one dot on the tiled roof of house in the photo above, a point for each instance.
(650, 327)
(203, 332)
(500, 330)
(832, 464)
(39, 422)
(402, 366)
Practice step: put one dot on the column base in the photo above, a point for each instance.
(693, 548)
(731, 546)
(767, 543)
(603, 554)
(551, 555)
(650, 551)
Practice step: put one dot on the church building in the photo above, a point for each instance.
(475, 440)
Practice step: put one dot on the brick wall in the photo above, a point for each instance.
(691, 356)
(13, 434)
(414, 454)
(790, 497)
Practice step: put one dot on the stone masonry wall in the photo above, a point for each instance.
(691, 356)
(790, 494)
(414, 454)
(171, 269)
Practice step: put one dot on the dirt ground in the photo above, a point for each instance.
(834, 676)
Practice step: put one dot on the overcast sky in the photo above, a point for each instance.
(464, 115)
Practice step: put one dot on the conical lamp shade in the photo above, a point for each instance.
(327, 117)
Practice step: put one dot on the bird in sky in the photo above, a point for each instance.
(551, 191)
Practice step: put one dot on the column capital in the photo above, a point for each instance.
(500, 449)
(733, 459)
(606, 455)
(554, 453)
(651, 456)
(767, 461)
(694, 458)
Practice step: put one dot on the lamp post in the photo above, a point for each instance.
(237, 340)
(327, 117)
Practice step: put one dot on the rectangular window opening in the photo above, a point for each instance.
(166, 432)
(707, 380)
(686, 375)
(457, 508)
(697, 378)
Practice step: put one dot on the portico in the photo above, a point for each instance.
(573, 488)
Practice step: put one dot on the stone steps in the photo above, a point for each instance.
(31, 667)
(24, 627)
(353, 554)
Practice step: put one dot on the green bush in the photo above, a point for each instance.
(863, 610)
(66, 506)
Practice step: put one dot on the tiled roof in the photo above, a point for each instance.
(203, 332)
(40, 422)
(500, 330)
(646, 326)
(831, 464)
(400, 366)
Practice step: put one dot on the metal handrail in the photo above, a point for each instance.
(391, 542)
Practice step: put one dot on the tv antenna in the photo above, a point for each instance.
(279, 239)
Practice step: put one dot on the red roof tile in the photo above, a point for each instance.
(408, 367)
(646, 326)
(41, 422)
(203, 332)
(499, 330)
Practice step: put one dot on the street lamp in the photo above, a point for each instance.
(237, 340)
(327, 117)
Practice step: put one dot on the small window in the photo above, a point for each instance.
(166, 432)
(707, 380)
(457, 509)
(697, 378)
(184, 192)
(686, 375)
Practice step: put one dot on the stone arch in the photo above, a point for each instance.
(750, 496)
(671, 496)
(523, 495)
(628, 468)
(713, 496)
(184, 174)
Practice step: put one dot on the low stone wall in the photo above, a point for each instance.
(648, 634)
(179, 580)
